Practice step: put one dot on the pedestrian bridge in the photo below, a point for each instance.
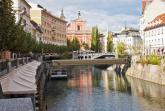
(92, 55)
(90, 62)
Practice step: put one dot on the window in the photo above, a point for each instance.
(158, 31)
(78, 28)
(162, 41)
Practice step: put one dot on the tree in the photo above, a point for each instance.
(69, 47)
(75, 44)
(13, 37)
(7, 25)
(121, 47)
(110, 42)
(137, 48)
(85, 46)
(95, 42)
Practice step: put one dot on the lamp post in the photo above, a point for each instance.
(116, 52)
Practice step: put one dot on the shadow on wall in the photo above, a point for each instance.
(121, 74)
(1, 93)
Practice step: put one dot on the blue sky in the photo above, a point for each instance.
(107, 14)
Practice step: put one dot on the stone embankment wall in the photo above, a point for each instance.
(147, 72)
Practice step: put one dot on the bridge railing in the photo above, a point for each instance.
(92, 55)
(7, 65)
(97, 54)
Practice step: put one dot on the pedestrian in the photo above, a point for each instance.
(118, 70)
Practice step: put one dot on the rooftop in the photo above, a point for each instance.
(159, 21)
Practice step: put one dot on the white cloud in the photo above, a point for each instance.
(97, 12)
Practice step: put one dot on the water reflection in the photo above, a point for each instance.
(92, 89)
(151, 96)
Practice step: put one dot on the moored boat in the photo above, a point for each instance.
(59, 74)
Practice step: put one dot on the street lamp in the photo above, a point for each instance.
(116, 52)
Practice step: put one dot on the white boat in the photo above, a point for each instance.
(59, 74)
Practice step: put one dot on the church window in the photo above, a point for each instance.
(78, 28)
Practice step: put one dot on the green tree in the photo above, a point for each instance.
(95, 42)
(69, 46)
(121, 47)
(75, 44)
(14, 38)
(7, 25)
(110, 42)
(85, 46)
(137, 48)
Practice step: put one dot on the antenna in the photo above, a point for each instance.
(125, 25)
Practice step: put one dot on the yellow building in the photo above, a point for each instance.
(53, 28)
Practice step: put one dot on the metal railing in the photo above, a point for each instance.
(7, 65)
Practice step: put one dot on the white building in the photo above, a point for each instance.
(154, 36)
(152, 26)
(129, 36)
(22, 9)
(103, 43)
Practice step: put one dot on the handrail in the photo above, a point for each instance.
(7, 65)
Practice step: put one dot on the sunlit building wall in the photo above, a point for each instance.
(152, 26)
(54, 28)
(22, 13)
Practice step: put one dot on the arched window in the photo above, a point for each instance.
(78, 28)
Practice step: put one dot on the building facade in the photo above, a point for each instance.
(130, 37)
(103, 42)
(22, 9)
(53, 28)
(36, 31)
(154, 36)
(152, 26)
(78, 28)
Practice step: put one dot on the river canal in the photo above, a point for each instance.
(92, 89)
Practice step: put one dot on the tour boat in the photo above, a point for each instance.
(59, 74)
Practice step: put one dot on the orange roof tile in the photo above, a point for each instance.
(157, 22)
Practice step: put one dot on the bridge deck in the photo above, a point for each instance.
(90, 62)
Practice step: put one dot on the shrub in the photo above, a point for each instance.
(142, 61)
(154, 59)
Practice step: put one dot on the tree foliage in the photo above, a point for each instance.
(85, 46)
(121, 47)
(95, 42)
(73, 45)
(110, 42)
(7, 24)
(14, 38)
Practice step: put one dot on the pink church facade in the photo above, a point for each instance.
(78, 28)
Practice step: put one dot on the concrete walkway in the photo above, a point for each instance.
(16, 104)
(21, 80)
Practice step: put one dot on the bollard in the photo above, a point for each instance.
(8, 66)
(17, 63)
